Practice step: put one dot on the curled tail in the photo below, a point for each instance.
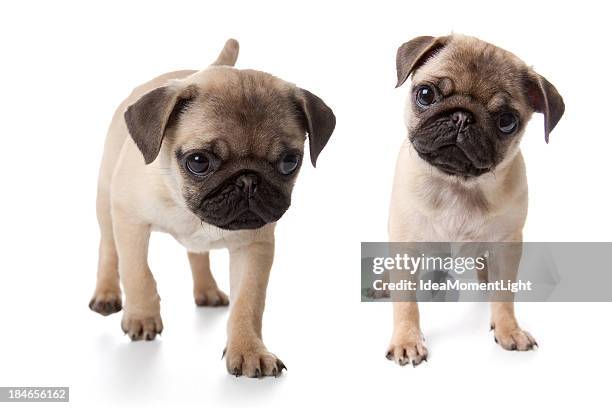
(229, 53)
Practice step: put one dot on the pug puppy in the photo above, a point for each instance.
(460, 175)
(210, 157)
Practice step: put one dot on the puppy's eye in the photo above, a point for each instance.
(507, 122)
(425, 96)
(198, 164)
(288, 163)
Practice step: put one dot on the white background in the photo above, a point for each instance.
(66, 66)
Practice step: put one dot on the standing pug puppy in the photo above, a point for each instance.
(460, 175)
(222, 148)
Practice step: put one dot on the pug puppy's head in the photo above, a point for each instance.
(470, 102)
(231, 141)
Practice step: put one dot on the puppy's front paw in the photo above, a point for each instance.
(106, 302)
(513, 337)
(407, 348)
(211, 297)
(252, 360)
(141, 327)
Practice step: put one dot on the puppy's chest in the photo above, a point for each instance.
(457, 224)
(188, 230)
(201, 240)
(197, 236)
(454, 216)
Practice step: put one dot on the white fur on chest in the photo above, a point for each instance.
(197, 236)
(426, 208)
(187, 229)
(455, 216)
(457, 223)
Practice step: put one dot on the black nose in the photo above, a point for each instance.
(248, 183)
(462, 118)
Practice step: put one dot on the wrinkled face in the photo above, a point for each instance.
(236, 146)
(468, 108)
(232, 141)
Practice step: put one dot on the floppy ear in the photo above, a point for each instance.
(148, 117)
(414, 53)
(320, 122)
(544, 98)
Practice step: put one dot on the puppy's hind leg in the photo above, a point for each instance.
(205, 289)
(107, 295)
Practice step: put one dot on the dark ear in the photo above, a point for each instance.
(320, 121)
(148, 117)
(414, 53)
(544, 98)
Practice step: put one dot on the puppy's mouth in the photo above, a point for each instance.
(453, 161)
(246, 220)
(244, 201)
